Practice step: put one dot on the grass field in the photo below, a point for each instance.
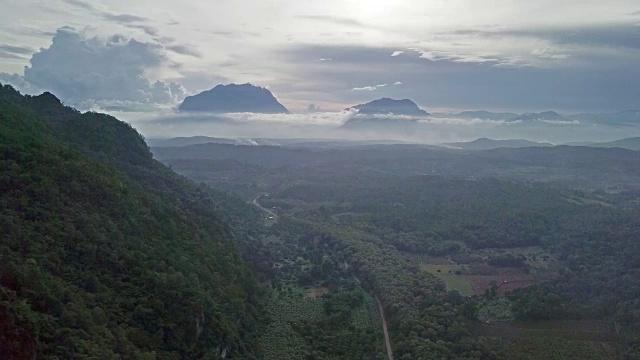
(447, 272)
(458, 283)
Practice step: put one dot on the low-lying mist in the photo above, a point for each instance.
(349, 125)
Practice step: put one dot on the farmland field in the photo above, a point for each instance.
(553, 339)
(458, 277)
(302, 326)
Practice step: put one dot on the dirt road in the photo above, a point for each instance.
(384, 329)
(255, 202)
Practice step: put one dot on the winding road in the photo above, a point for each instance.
(255, 202)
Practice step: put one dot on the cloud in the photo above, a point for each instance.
(508, 84)
(147, 29)
(323, 125)
(397, 53)
(437, 55)
(123, 18)
(369, 88)
(546, 53)
(325, 59)
(185, 50)
(561, 122)
(9, 55)
(22, 50)
(313, 108)
(397, 83)
(80, 4)
(468, 122)
(18, 82)
(29, 31)
(337, 20)
(107, 15)
(90, 72)
(14, 52)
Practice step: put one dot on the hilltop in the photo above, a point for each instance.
(387, 106)
(234, 98)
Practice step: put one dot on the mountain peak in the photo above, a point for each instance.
(388, 106)
(234, 98)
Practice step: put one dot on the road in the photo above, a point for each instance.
(387, 341)
(255, 202)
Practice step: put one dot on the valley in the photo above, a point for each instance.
(481, 247)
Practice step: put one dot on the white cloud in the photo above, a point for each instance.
(18, 82)
(561, 122)
(397, 53)
(397, 83)
(89, 72)
(468, 122)
(316, 118)
(546, 53)
(369, 88)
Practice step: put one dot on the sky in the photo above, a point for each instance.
(142, 57)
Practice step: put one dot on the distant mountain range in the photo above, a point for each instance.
(627, 117)
(477, 114)
(234, 98)
(475, 145)
(195, 140)
(387, 106)
(628, 143)
(487, 144)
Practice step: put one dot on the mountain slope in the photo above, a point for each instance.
(234, 98)
(486, 144)
(387, 106)
(627, 143)
(106, 253)
(477, 114)
(627, 117)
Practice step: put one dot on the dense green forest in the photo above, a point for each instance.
(105, 253)
(532, 256)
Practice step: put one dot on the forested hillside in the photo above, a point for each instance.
(104, 252)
